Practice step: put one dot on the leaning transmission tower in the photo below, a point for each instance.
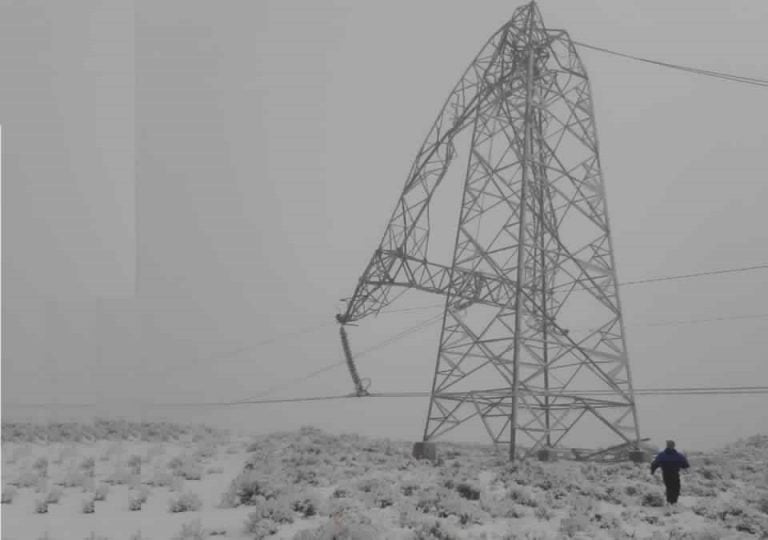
(532, 342)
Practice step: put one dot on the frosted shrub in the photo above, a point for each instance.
(433, 531)
(192, 531)
(185, 502)
(275, 510)
(762, 504)
(653, 499)
(336, 529)
(101, 492)
(135, 503)
(465, 511)
(134, 464)
(573, 524)
(9, 492)
(120, 476)
(41, 466)
(88, 506)
(27, 480)
(522, 495)
(206, 450)
(191, 470)
(308, 504)
(263, 529)
(138, 498)
(245, 488)
(54, 495)
(74, 478)
(161, 478)
(88, 466)
(41, 506)
(543, 513)
(500, 508)
(468, 492)
(382, 495)
(142, 493)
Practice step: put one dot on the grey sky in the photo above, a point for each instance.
(235, 164)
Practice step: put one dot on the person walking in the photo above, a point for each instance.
(670, 461)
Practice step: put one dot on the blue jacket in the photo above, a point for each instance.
(670, 461)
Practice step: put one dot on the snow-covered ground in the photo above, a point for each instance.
(165, 482)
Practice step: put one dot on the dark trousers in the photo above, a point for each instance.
(672, 483)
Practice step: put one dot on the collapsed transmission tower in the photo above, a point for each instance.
(532, 341)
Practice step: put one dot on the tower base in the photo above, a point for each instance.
(425, 450)
(546, 454)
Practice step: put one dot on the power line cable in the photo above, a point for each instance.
(673, 391)
(695, 275)
(688, 69)
(699, 321)
(328, 367)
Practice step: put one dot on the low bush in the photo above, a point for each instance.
(276, 510)
(652, 499)
(433, 531)
(762, 504)
(468, 492)
(263, 529)
(88, 506)
(135, 503)
(336, 529)
(245, 489)
(41, 466)
(26, 480)
(74, 478)
(120, 476)
(9, 492)
(185, 502)
(308, 504)
(54, 495)
(88, 466)
(192, 531)
(101, 492)
(134, 464)
(41, 506)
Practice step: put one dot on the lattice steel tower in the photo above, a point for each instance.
(532, 341)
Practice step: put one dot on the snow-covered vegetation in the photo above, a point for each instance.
(158, 481)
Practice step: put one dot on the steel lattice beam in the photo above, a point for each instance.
(532, 300)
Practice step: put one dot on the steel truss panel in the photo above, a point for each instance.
(532, 302)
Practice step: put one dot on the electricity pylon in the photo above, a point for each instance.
(532, 341)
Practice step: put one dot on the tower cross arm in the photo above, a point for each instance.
(395, 270)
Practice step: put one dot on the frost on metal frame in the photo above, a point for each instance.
(532, 340)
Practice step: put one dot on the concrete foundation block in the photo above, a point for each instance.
(425, 450)
(546, 454)
(638, 456)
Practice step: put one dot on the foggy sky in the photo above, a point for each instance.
(184, 181)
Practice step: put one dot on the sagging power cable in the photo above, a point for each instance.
(753, 81)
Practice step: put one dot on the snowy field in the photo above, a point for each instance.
(121, 481)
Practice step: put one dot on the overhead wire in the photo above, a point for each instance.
(695, 275)
(261, 397)
(672, 391)
(753, 81)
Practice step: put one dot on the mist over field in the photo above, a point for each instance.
(195, 194)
